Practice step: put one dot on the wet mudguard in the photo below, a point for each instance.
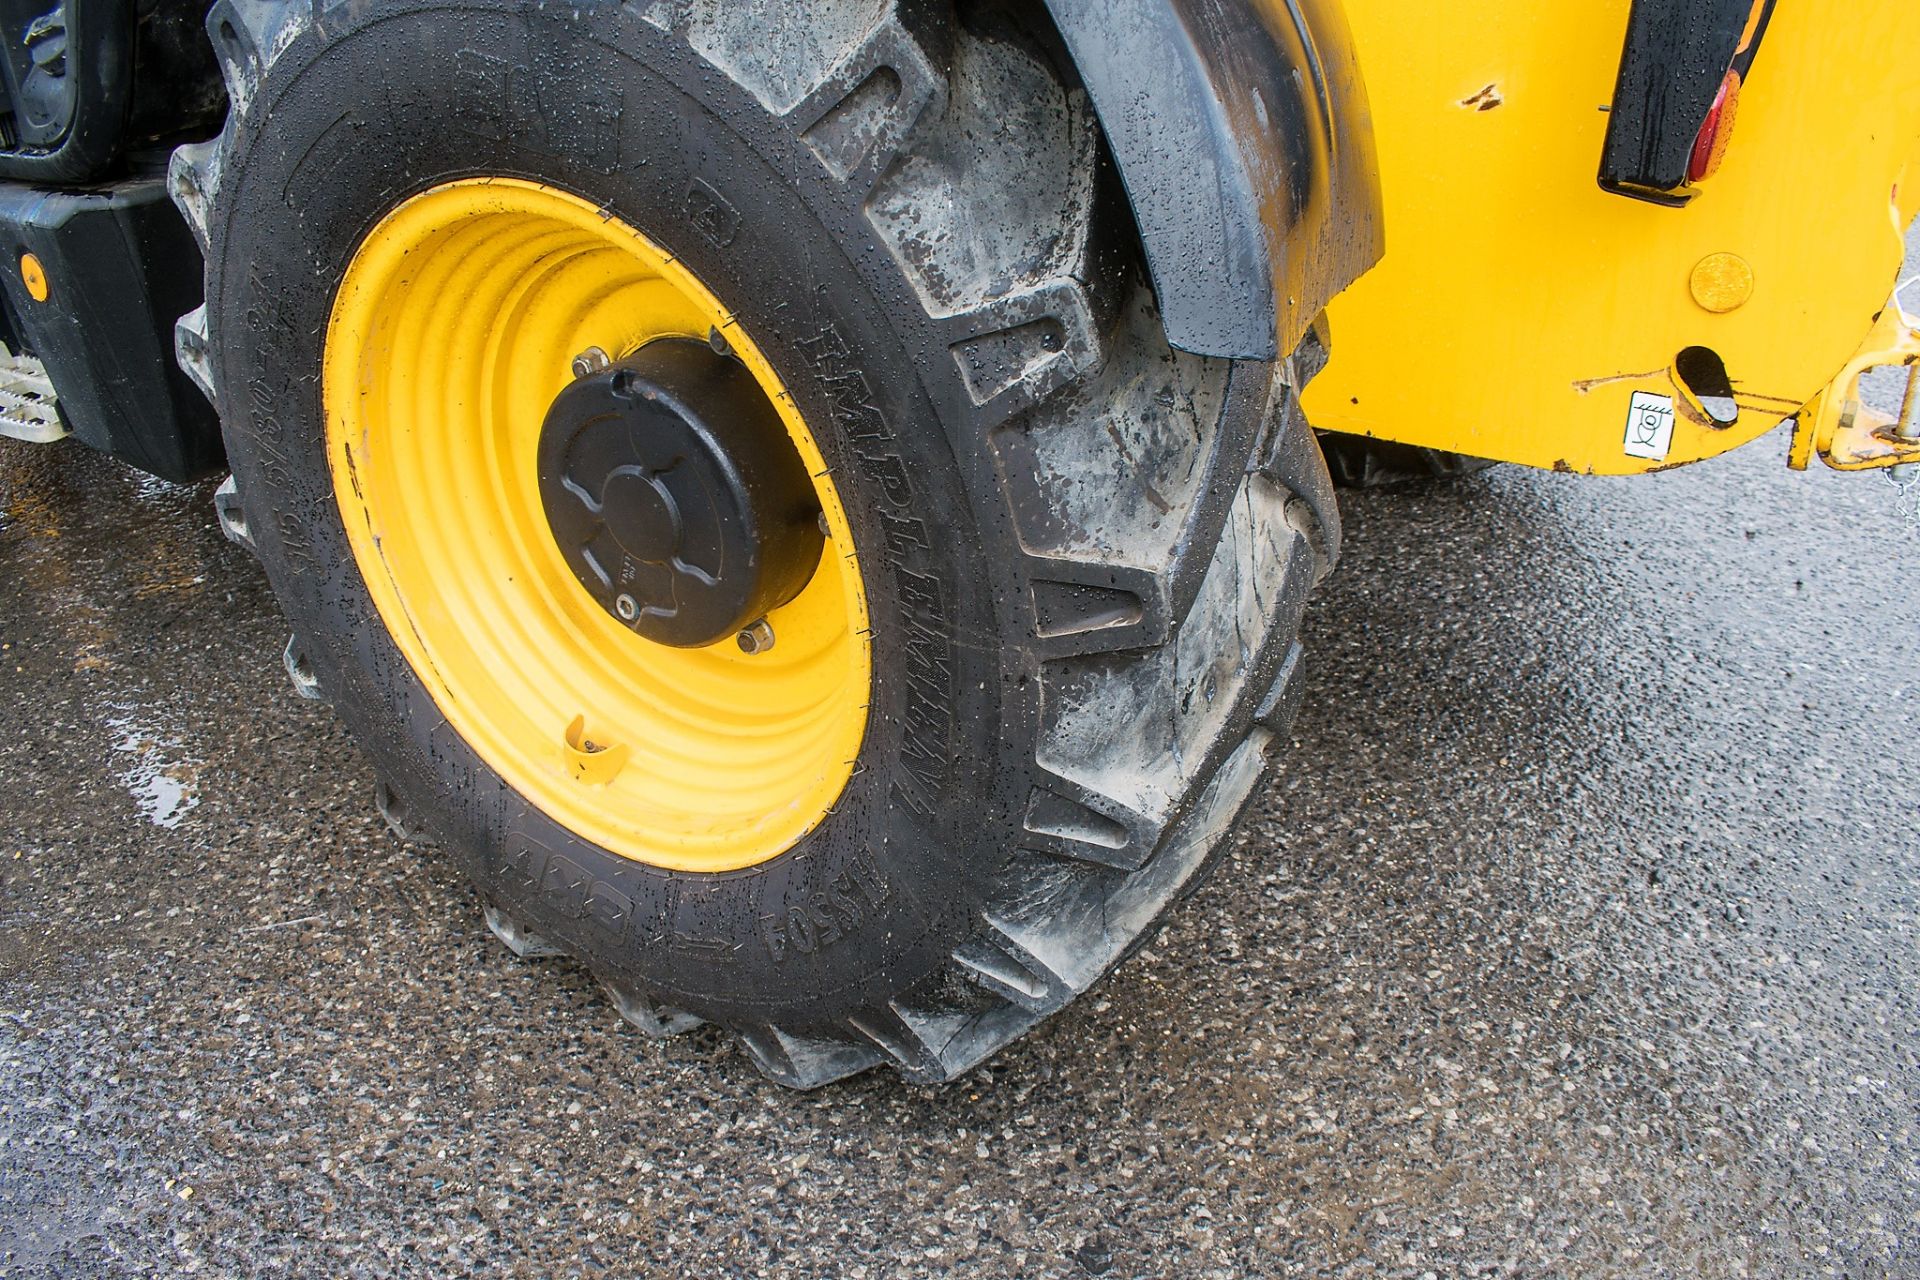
(1241, 132)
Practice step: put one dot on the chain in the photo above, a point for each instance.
(1906, 478)
(1906, 495)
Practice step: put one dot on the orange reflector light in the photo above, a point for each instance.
(1710, 144)
(34, 276)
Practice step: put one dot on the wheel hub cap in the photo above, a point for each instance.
(676, 494)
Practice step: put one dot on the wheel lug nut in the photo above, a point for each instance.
(591, 361)
(625, 606)
(756, 637)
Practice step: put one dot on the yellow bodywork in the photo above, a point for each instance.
(1519, 307)
(452, 332)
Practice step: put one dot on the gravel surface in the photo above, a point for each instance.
(1576, 936)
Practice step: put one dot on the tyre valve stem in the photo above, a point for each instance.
(591, 762)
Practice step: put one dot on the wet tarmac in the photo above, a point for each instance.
(1576, 937)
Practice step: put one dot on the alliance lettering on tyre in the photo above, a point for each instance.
(926, 753)
(568, 888)
(521, 866)
(925, 743)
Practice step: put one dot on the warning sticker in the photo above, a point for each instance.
(1650, 426)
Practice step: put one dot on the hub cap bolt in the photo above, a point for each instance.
(626, 608)
(591, 361)
(756, 637)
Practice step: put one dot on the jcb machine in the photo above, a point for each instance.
(813, 502)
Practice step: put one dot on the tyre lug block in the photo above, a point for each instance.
(232, 516)
(657, 1020)
(517, 938)
(306, 682)
(393, 809)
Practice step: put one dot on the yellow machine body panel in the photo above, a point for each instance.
(1519, 307)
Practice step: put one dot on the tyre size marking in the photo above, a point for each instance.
(269, 389)
(1649, 426)
(828, 916)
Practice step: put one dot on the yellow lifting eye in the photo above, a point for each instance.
(34, 276)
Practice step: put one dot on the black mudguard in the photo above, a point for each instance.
(120, 266)
(1241, 132)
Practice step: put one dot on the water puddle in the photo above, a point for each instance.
(156, 771)
(154, 491)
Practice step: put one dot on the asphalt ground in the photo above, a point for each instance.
(1575, 937)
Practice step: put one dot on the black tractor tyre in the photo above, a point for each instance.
(1086, 553)
(1362, 462)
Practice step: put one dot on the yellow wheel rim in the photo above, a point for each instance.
(454, 329)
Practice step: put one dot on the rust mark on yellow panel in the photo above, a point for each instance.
(1689, 408)
(1584, 385)
(1864, 439)
(1756, 401)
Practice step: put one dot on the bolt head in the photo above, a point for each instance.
(591, 361)
(756, 637)
(626, 607)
